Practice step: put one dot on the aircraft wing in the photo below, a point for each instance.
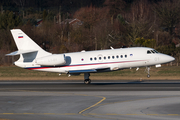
(89, 70)
(82, 71)
(20, 52)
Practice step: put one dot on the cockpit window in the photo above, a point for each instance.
(156, 51)
(152, 51)
(148, 52)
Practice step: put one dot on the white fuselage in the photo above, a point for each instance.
(114, 59)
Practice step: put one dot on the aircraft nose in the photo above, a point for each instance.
(170, 58)
(166, 58)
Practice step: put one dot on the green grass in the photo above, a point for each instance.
(13, 71)
(165, 72)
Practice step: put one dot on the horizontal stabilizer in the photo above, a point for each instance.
(20, 52)
(82, 71)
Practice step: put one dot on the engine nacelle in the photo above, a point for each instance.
(55, 59)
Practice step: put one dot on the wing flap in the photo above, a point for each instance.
(20, 52)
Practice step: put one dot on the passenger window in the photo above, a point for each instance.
(121, 56)
(104, 57)
(112, 57)
(99, 58)
(148, 52)
(125, 56)
(91, 59)
(108, 57)
(117, 56)
(95, 58)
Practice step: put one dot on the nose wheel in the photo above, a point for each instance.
(148, 71)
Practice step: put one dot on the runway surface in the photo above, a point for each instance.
(101, 100)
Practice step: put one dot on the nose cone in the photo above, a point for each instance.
(171, 59)
(168, 58)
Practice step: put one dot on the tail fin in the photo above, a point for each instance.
(27, 48)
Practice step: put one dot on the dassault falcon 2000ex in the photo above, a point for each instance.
(33, 57)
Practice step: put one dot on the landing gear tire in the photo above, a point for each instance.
(87, 81)
(86, 78)
(148, 75)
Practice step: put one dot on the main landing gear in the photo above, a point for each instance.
(86, 78)
(148, 71)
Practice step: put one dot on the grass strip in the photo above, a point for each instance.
(163, 73)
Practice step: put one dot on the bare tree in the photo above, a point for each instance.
(20, 3)
(91, 17)
(102, 32)
(115, 7)
(168, 13)
(140, 21)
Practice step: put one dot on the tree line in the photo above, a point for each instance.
(116, 23)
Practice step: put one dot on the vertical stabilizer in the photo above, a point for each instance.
(25, 43)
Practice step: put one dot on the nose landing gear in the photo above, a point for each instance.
(148, 71)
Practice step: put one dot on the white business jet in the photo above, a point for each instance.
(33, 57)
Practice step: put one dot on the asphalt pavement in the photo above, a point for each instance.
(101, 100)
